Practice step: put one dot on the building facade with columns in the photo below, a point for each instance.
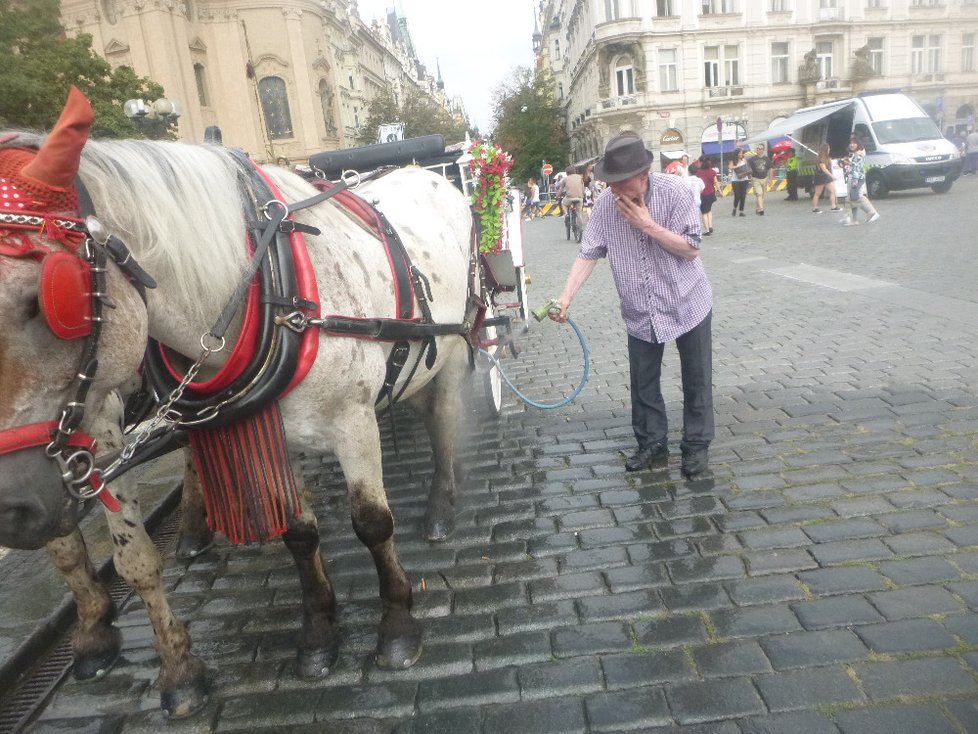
(669, 69)
(280, 79)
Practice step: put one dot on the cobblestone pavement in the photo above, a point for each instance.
(824, 579)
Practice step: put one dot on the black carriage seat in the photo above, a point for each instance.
(332, 163)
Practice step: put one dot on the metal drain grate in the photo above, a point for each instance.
(33, 692)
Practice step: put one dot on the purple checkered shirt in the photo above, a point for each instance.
(662, 296)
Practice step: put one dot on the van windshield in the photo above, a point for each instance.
(906, 131)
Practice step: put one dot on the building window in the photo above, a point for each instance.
(826, 4)
(968, 52)
(556, 49)
(668, 70)
(779, 6)
(625, 80)
(779, 63)
(664, 8)
(721, 66)
(201, 80)
(876, 54)
(611, 10)
(923, 3)
(275, 107)
(823, 54)
(716, 7)
(925, 54)
(874, 4)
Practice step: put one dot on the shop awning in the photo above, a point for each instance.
(797, 121)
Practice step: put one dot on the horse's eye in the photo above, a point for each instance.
(33, 309)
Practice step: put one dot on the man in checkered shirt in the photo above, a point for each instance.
(648, 227)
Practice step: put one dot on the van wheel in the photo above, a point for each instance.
(942, 188)
(876, 187)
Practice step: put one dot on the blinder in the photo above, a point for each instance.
(63, 295)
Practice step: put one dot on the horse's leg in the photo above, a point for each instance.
(195, 536)
(439, 404)
(319, 646)
(357, 447)
(182, 680)
(96, 642)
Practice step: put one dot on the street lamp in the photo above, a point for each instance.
(164, 109)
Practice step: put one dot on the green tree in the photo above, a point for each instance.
(420, 114)
(529, 122)
(40, 64)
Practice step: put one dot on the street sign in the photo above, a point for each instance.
(547, 169)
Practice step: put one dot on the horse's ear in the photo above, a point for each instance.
(56, 163)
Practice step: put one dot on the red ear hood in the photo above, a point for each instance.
(42, 182)
(56, 163)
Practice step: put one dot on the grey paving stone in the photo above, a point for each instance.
(918, 601)
(705, 569)
(721, 698)
(850, 551)
(844, 529)
(552, 716)
(636, 669)
(695, 597)
(536, 616)
(924, 677)
(779, 561)
(474, 689)
(967, 590)
(666, 550)
(965, 713)
(919, 544)
(567, 586)
(806, 689)
(755, 621)
(489, 598)
(765, 590)
(806, 722)
(272, 709)
(626, 711)
(917, 635)
(442, 722)
(774, 537)
(515, 649)
(842, 580)
(591, 639)
(910, 520)
(632, 578)
(861, 506)
(627, 605)
(593, 559)
(810, 649)
(573, 676)
(964, 626)
(731, 659)
(895, 720)
(838, 611)
(669, 632)
(797, 514)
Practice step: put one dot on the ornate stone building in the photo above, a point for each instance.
(286, 78)
(669, 69)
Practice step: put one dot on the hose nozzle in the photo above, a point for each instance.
(542, 311)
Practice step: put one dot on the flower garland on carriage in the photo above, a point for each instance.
(489, 165)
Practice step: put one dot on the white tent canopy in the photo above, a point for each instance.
(797, 121)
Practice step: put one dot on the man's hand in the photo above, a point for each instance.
(559, 313)
(635, 213)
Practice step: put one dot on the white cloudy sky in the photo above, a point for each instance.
(477, 44)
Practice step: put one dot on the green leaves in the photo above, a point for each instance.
(420, 114)
(40, 64)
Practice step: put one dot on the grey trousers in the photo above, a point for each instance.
(696, 365)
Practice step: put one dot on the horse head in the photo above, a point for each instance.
(58, 360)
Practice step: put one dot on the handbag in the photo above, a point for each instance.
(742, 169)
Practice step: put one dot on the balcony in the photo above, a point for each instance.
(929, 77)
(827, 84)
(618, 103)
(830, 15)
(720, 92)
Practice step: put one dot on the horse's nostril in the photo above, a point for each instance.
(25, 523)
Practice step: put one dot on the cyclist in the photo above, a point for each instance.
(574, 193)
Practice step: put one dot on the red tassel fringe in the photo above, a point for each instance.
(248, 487)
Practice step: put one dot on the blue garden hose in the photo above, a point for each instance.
(569, 398)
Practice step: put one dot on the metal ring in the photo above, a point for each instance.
(348, 175)
(219, 341)
(264, 209)
(80, 458)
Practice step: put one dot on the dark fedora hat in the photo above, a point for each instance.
(625, 156)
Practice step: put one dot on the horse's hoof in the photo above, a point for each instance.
(439, 524)
(318, 663)
(399, 644)
(191, 546)
(91, 667)
(184, 701)
(95, 666)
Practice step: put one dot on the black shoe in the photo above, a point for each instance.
(742, 214)
(695, 462)
(645, 456)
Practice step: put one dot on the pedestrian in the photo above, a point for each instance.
(791, 175)
(572, 187)
(711, 190)
(971, 157)
(532, 199)
(740, 180)
(647, 226)
(824, 178)
(855, 167)
(693, 182)
(760, 171)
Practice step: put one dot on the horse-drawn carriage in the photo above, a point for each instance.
(269, 322)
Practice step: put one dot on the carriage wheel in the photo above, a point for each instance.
(523, 309)
(492, 381)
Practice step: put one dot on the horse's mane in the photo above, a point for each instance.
(178, 208)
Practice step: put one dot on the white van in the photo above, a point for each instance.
(905, 148)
